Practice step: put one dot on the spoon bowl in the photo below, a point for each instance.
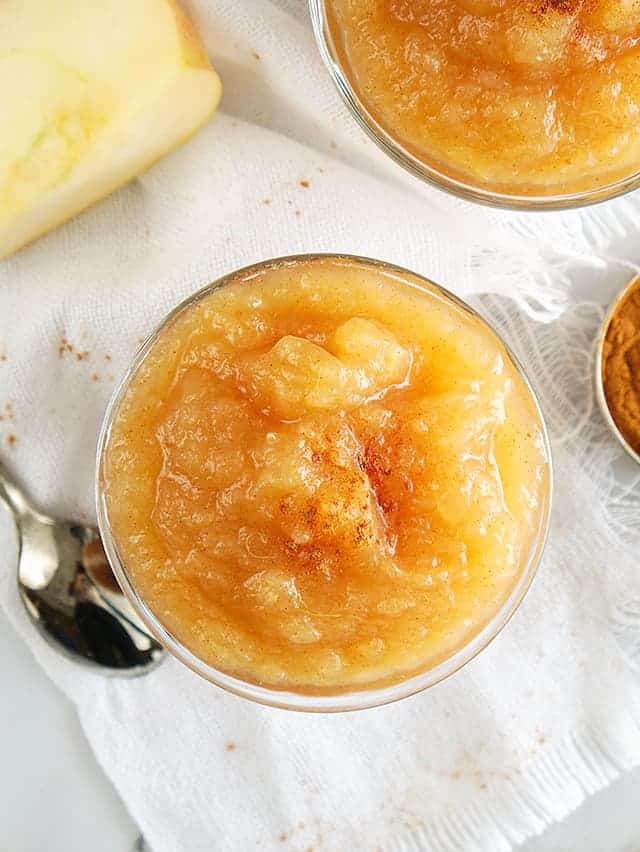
(70, 593)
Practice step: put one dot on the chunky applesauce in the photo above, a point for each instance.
(514, 96)
(323, 476)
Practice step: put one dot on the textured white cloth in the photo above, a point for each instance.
(550, 712)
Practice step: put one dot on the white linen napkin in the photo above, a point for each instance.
(550, 712)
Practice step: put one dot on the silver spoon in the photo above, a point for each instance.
(71, 595)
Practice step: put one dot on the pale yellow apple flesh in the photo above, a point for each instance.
(91, 94)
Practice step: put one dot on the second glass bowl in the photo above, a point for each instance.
(390, 143)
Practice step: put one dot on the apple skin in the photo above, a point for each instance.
(191, 97)
(195, 55)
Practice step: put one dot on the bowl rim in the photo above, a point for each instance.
(342, 701)
(601, 396)
(466, 190)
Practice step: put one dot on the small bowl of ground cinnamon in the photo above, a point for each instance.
(618, 368)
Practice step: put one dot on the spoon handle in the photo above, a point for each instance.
(12, 496)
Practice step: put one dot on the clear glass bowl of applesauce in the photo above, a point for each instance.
(324, 483)
(526, 104)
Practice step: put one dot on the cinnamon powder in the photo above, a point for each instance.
(621, 367)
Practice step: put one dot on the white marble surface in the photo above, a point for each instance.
(55, 798)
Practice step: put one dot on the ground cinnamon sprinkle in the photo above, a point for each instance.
(542, 7)
(621, 367)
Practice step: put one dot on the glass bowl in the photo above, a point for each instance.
(342, 701)
(392, 146)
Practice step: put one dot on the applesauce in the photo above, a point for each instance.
(519, 97)
(324, 475)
